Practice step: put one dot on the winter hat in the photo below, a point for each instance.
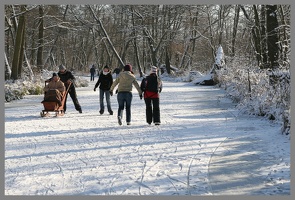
(128, 68)
(54, 74)
(154, 69)
(106, 67)
(61, 67)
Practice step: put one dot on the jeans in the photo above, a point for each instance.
(101, 97)
(124, 99)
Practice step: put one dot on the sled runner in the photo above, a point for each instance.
(54, 101)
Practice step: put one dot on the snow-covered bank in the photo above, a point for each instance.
(90, 154)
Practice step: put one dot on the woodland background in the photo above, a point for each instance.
(255, 39)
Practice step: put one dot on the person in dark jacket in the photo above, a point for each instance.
(151, 86)
(104, 82)
(117, 71)
(92, 73)
(68, 79)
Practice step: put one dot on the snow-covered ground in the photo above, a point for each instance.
(203, 147)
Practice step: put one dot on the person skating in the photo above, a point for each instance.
(67, 77)
(117, 71)
(151, 86)
(125, 81)
(92, 73)
(104, 82)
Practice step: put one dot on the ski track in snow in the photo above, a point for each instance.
(90, 154)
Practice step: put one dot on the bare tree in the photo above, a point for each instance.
(40, 38)
(106, 35)
(272, 35)
(235, 29)
(18, 55)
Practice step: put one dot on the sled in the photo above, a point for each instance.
(53, 106)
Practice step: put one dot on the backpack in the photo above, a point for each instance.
(150, 83)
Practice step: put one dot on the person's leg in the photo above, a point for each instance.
(128, 107)
(73, 95)
(120, 99)
(101, 97)
(108, 100)
(65, 103)
(148, 110)
(156, 111)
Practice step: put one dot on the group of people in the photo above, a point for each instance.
(64, 81)
(148, 90)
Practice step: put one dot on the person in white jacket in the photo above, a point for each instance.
(125, 81)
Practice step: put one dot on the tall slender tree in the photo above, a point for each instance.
(272, 35)
(18, 55)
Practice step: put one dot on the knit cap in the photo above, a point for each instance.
(54, 74)
(106, 67)
(154, 69)
(61, 67)
(128, 68)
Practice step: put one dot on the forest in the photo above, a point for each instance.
(179, 39)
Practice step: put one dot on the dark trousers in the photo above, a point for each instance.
(124, 99)
(92, 77)
(73, 95)
(152, 110)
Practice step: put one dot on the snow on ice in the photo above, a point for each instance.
(202, 147)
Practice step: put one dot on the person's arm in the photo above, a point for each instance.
(135, 83)
(111, 78)
(61, 86)
(143, 84)
(160, 84)
(70, 77)
(115, 83)
(97, 83)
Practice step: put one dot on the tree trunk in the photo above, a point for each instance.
(7, 68)
(263, 36)
(258, 35)
(18, 54)
(254, 35)
(212, 43)
(135, 44)
(40, 39)
(235, 29)
(284, 45)
(272, 35)
(167, 62)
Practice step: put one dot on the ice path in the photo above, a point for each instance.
(90, 154)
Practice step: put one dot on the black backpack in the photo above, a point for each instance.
(150, 83)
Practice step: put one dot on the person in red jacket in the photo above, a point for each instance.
(151, 86)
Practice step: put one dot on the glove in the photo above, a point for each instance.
(140, 96)
(94, 89)
(111, 93)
